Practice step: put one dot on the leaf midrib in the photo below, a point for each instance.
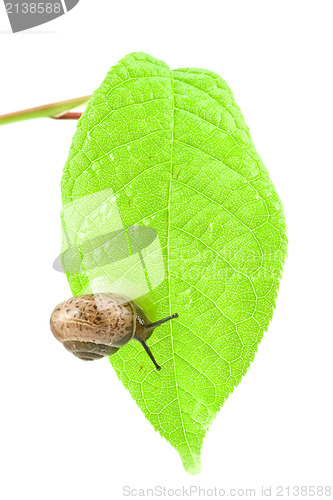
(168, 266)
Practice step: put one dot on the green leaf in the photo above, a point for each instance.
(170, 150)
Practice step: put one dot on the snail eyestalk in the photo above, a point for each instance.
(161, 321)
(150, 354)
(145, 329)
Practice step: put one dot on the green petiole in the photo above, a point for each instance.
(57, 110)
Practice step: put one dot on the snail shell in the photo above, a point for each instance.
(94, 326)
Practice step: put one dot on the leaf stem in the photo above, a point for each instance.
(57, 110)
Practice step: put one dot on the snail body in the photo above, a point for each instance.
(94, 326)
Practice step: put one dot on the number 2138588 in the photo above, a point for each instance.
(33, 8)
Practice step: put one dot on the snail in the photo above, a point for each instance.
(94, 326)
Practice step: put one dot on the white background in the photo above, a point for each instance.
(69, 430)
